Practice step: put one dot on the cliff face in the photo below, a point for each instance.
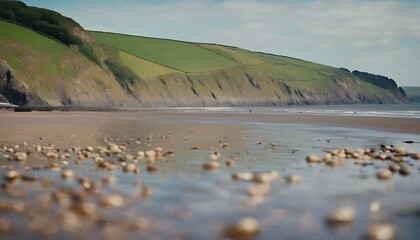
(89, 87)
(38, 71)
(244, 86)
(92, 69)
(11, 89)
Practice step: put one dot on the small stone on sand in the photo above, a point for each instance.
(313, 159)
(211, 165)
(21, 156)
(67, 174)
(246, 228)
(293, 179)
(381, 232)
(344, 215)
(384, 174)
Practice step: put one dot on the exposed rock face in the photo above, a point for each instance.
(234, 87)
(244, 86)
(3, 99)
(9, 87)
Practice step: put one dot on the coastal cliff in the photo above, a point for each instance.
(107, 70)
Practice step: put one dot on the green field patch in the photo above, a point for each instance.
(289, 72)
(9, 31)
(182, 56)
(293, 61)
(142, 67)
(235, 54)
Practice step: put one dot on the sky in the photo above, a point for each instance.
(376, 36)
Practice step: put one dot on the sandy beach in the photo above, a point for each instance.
(172, 174)
(19, 127)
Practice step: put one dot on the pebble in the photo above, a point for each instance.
(259, 189)
(151, 168)
(89, 149)
(68, 174)
(51, 155)
(293, 179)
(405, 171)
(109, 180)
(261, 178)
(158, 150)
(112, 201)
(246, 228)
(211, 165)
(399, 150)
(381, 156)
(130, 167)
(214, 156)
(225, 145)
(247, 176)
(5, 226)
(146, 191)
(11, 175)
(113, 148)
(395, 167)
(37, 148)
(138, 224)
(150, 153)
(21, 156)
(416, 156)
(313, 159)
(344, 215)
(169, 154)
(230, 162)
(384, 174)
(265, 177)
(375, 206)
(381, 232)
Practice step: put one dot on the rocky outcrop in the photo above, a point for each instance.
(241, 86)
(11, 89)
(3, 99)
(244, 86)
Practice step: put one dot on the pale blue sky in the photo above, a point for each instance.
(381, 37)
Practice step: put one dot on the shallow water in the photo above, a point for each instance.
(189, 203)
(411, 110)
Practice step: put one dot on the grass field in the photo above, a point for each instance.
(149, 57)
(236, 54)
(182, 56)
(10, 32)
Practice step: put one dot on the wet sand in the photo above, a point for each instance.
(212, 176)
(19, 127)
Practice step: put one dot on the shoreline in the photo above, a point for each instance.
(392, 124)
(30, 126)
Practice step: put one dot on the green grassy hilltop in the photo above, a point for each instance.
(214, 74)
(39, 67)
(48, 73)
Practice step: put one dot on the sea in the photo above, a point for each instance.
(377, 110)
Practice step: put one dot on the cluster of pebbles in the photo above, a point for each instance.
(394, 159)
(87, 203)
(390, 159)
(55, 207)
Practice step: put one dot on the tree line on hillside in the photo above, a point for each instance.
(46, 22)
(378, 80)
(41, 20)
